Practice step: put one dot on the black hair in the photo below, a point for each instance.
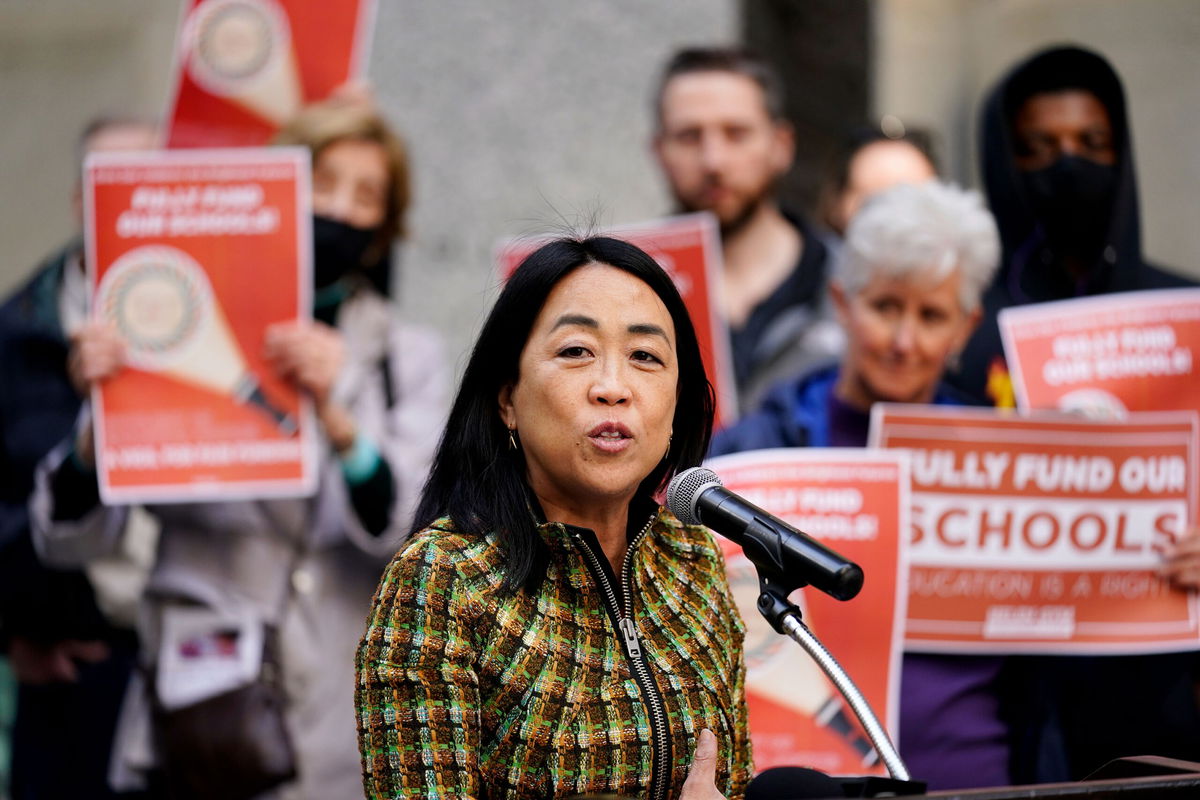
(737, 60)
(477, 479)
(836, 178)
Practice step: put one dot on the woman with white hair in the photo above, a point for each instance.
(907, 291)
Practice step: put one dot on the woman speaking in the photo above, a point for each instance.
(550, 630)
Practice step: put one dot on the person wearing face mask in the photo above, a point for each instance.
(1057, 161)
(300, 570)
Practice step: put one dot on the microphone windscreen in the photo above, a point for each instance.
(684, 491)
(793, 783)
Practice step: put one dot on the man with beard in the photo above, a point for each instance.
(723, 145)
(1058, 165)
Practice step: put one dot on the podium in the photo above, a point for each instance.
(1133, 778)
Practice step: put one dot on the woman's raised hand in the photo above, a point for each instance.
(309, 354)
(97, 353)
(701, 783)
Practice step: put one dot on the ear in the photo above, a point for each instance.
(841, 303)
(508, 410)
(783, 150)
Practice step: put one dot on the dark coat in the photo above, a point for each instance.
(1029, 271)
(1085, 710)
(38, 407)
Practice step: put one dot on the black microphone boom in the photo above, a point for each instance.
(780, 552)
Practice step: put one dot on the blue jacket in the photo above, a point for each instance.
(795, 413)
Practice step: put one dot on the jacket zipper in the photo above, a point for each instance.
(659, 733)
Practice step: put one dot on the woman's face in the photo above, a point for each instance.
(900, 331)
(595, 393)
(350, 183)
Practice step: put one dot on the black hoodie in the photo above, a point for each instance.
(1083, 711)
(1029, 270)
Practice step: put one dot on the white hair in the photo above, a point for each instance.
(930, 227)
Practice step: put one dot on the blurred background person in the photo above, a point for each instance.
(723, 144)
(302, 570)
(69, 633)
(907, 291)
(1057, 159)
(1056, 156)
(866, 162)
(551, 630)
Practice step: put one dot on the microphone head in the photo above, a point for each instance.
(683, 493)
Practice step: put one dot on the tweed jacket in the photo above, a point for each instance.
(465, 692)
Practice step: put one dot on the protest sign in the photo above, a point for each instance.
(1106, 355)
(688, 249)
(245, 67)
(856, 502)
(190, 256)
(1043, 534)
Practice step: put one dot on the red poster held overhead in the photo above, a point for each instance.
(190, 256)
(245, 67)
(688, 248)
(856, 502)
(1044, 534)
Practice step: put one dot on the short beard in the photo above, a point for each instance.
(748, 212)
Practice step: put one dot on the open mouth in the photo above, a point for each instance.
(610, 436)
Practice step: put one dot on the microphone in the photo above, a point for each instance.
(698, 497)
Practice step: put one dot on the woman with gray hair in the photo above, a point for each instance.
(907, 291)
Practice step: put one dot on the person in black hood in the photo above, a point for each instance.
(1057, 161)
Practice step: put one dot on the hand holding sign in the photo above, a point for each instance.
(310, 354)
(1182, 564)
(97, 352)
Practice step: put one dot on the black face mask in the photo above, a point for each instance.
(1073, 199)
(338, 250)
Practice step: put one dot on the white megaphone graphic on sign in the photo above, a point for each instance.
(242, 50)
(162, 305)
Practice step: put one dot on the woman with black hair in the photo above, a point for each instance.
(551, 630)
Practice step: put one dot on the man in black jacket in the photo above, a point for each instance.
(70, 661)
(723, 145)
(1057, 161)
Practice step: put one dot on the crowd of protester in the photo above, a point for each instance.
(888, 293)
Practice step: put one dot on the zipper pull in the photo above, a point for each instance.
(629, 634)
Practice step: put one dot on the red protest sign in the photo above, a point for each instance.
(856, 502)
(688, 248)
(1043, 533)
(245, 67)
(1109, 354)
(191, 255)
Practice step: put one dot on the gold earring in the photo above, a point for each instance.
(512, 441)
(669, 438)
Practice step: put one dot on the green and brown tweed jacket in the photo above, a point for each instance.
(465, 692)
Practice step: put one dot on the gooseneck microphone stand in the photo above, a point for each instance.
(784, 616)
